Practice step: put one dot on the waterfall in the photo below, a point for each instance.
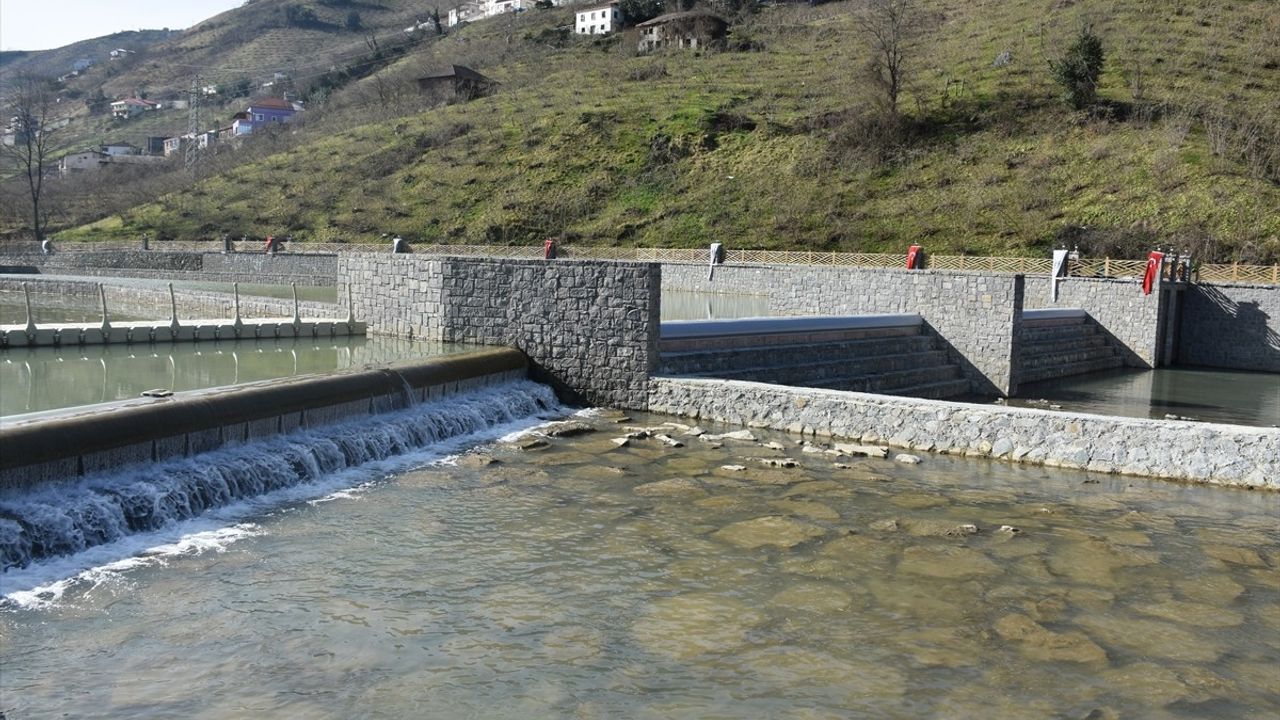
(67, 519)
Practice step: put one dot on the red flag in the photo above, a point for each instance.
(913, 257)
(1154, 261)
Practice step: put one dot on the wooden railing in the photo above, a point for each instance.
(1083, 267)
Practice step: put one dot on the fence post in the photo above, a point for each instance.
(1235, 271)
(1275, 274)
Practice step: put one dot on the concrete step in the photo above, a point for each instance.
(1061, 370)
(714, 361)
(888, 383)
(1057, 332)
(1087, 354)
(1044, 347)
(934, 391)
(806, 374)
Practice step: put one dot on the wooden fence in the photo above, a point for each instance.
(1083, 267)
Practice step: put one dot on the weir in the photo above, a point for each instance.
(76, 444)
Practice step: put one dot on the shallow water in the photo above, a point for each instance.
(584, 580)
(1190, 393)
(47, 378)
(13, 311)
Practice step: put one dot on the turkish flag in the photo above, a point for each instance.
(913, 257)
(1154, 261)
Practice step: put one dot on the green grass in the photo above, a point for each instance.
(743, 148)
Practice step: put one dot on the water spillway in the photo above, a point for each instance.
(67, 518)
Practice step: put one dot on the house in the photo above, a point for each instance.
(481, 9)
(691, 30)
(98, 158)
(263, 112)
(155, 144)
(128, 107)
(457, 81)
(599, 20)
(120, 148)
(119, 53)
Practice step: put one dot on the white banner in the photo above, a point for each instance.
(1059, 271)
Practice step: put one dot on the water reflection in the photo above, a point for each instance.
(1204, 394)
(36, 379)
(13, 311)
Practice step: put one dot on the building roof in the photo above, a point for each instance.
(135, 101)
(456, 71)
(119, 144)
(272, 103)
(686, 15)
(598, 6)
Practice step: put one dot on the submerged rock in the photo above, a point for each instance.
(772, 530)
(813, 597)
(673, 487)
(872, 451)
(568, 428)
(812, 510)
(1039, 643)
(686, 626)
(741, 435)
(907, 459)
(477, 460)
(944, 561)
(1192, 613)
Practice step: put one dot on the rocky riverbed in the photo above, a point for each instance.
(636, 566)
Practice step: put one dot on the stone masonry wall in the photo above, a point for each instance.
(1132, 319)
(590, 328)
(1231, 326)
(1218, 454)
(279, 269)
(977, 314)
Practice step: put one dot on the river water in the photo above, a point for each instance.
(578, 579)
(47, 378)
(1186, 393)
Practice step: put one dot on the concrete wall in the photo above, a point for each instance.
(1200, 452)
(976, 314)
(153, 303)
(590, 328)
(1133, 320)
(1231, 326)
(280, 269)
(81, 442)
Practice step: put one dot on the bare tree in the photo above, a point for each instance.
(891, 28)
(29, 143)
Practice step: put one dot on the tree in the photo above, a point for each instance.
(638, 11)
(1079, 69)
(354, 23)
(31, 105)
(891, 28)
(435, 21)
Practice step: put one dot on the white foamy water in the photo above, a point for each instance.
(52, 540)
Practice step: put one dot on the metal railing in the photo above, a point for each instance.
(1082, 267)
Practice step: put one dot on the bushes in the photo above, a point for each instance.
(1079, 69)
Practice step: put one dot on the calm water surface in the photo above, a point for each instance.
(1205, 394)
(587, 580)
(46, 378)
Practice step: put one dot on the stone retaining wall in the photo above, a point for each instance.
(590, 328)
(149, 302)
(976, 314)
(1200, 452)
(279, 269)
(1134, 321)
(1231, 326)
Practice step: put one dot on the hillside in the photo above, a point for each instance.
(769, 145)
(301, 39)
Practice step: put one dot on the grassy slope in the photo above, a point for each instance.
(566, 148)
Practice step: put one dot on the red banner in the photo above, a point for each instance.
(1154, 261)
(913, 257)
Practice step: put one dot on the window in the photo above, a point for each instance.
(582, 17)
(257, 117)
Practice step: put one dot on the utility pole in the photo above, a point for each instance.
(193, 126)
